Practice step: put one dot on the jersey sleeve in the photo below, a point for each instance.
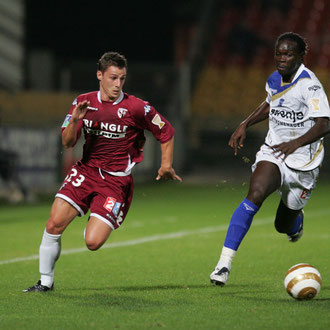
(315, 98)
(68, 117)
(269, 93)
(147, 117)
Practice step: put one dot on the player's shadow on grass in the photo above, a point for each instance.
(160, 287)
(143, 288)
(227, 289)
(177, 287)
(111, 300)
(242, 295)
(288, 300)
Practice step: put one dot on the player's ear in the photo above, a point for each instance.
(99, 75)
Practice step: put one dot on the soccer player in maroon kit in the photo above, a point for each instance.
(113, 123)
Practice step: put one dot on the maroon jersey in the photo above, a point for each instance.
(114, 131)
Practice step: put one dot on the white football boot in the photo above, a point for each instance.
(219, 276)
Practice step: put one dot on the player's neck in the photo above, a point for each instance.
(288, 78)
(107, 98)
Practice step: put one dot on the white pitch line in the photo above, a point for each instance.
(160, 237)
(141, 240)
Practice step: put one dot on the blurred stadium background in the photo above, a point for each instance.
(203, 64)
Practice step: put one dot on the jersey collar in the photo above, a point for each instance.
(299, 71)
(120, 98)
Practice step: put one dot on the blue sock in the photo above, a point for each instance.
(240, 223)
(296, 226)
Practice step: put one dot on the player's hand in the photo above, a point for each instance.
(80, 110)
(237, 138)
(284, 149)
(167, 174)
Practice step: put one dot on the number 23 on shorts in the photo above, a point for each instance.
(72, 177)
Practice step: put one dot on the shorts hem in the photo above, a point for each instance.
(70, 201)
(294, 207)
(106, 221)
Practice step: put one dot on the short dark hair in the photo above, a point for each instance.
(111, 59)
(302, 46)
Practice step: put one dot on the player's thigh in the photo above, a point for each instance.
(61, 214)
(79, 186)
(265, 179)
(112, 201)
(97, 232)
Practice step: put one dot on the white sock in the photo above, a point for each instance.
(49, 252)
(226, 258)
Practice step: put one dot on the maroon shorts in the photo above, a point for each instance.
(108, 197)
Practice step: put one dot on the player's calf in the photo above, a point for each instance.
(299, 230)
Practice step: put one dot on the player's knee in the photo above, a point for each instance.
(256, 196)
(92, 245)
(54, 227)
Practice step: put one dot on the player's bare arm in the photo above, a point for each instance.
(319, 130)
(69, 136)
(258, 115)
(166, 171)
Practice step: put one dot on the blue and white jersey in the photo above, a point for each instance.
(293, 108)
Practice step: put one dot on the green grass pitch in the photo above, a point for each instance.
(154, 271)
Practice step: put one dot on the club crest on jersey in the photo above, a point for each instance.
(121, 112)
(158, 121)
(109, 203)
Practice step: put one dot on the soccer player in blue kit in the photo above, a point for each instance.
(289, 160)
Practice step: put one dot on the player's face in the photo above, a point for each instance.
(111, 82)
(287, 59)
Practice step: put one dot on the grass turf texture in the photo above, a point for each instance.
(165, 282)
